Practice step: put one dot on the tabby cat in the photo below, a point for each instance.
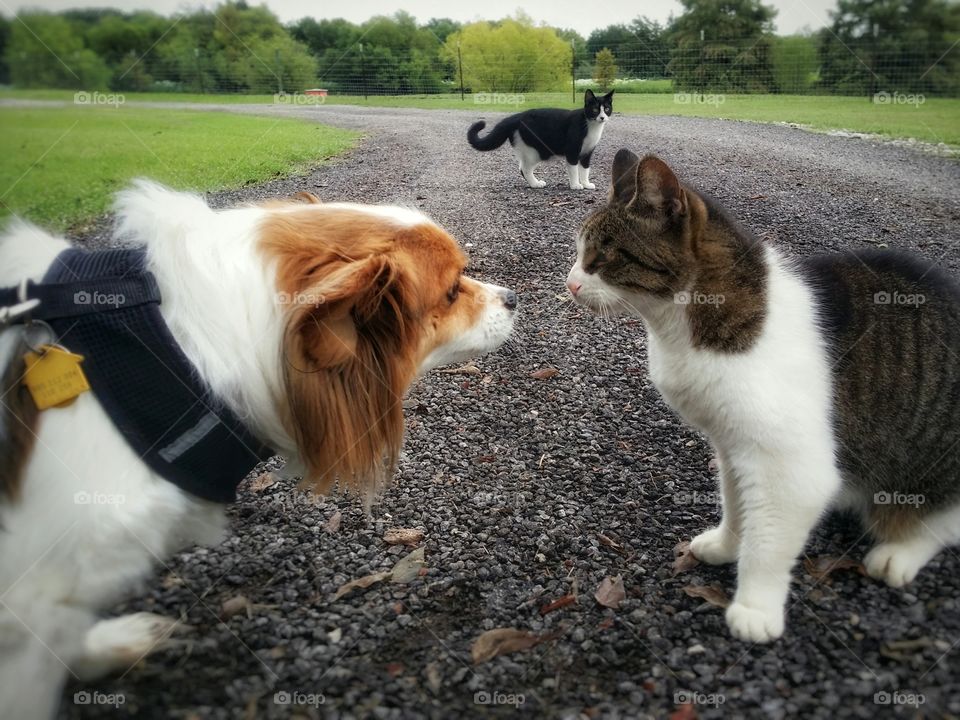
(827, 382)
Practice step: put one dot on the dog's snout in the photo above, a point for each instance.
(509, 298)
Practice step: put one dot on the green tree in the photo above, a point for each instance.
(795, 64)
(641, 47)
(512, 56)
(43, 51)
(734, 54)
(892, 46)
(605, 69)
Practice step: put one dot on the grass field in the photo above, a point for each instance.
(61, 165)
(937, 120)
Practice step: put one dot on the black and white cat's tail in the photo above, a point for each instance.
(495, 138)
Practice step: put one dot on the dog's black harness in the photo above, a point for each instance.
(105, 305)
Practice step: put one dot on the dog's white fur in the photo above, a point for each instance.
(767, 414)
(93, 520)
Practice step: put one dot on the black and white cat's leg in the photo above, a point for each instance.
(573, 170)
(782, 495)
(719, 545)
(528, 159)
(897, 561)
(585, 172)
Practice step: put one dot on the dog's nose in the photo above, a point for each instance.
(509, 300)
(574, 287)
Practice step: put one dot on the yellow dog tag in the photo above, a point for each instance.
(54, 377)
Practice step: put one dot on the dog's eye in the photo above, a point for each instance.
(453, 293)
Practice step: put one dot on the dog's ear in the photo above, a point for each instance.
(307, 197)
(350, 356)
(323, 331)
(623, 187)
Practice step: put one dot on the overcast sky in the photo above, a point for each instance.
(582, 15)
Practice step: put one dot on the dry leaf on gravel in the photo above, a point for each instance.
(713, 594)
(403, 536)
(611, 593)
(333, 524)
(408, 569)
(361, 583)
(544, 373)
(262, 482)
(822, 568)
(501, 641)
(604, 540)
(684, 559)
(686, 711)
(234, 606)
(468, 369)
(557, 604)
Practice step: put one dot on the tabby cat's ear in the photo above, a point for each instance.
(624, 187)
(658, 188)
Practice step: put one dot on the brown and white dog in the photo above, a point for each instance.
(307, 320)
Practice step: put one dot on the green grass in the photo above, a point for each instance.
(62, 165)
(935, 121)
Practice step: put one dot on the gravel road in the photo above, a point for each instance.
(532, 489)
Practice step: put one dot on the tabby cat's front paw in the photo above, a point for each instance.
(897, 564)
(715, 546)
(755, 624)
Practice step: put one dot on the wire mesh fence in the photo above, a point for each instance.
(766, 65)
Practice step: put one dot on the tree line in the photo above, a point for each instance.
(711, 46)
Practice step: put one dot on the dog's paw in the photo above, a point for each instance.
(589, 186)
(897, 564)
(757, 625)
(714, 547)
(119, 643)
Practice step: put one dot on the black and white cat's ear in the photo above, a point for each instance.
(588, 95)
(658, 188)
(623, 189)
(609, 95)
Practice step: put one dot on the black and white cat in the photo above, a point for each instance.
(541, 134)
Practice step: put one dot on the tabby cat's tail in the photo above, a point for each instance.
(495, 138)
